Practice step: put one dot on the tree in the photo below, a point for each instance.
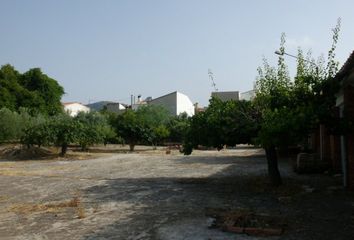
(159, 134)
(131, 128)
(273, 99)
(13, 124)
(223, 123)
(155, 119)
(291, 110)
(177, 127)
(32, 90)
(39, 133)
(65, 130)
(47, 88)
(10, 89)
(94, 129)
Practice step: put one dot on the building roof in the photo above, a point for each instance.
(117, 103)
(226, 95)
(347, 66)
(70, 103)
(175, 92)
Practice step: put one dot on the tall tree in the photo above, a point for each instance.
(291, 110)
(32, 90)
(47, 88)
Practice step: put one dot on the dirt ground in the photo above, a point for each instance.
(154, 195)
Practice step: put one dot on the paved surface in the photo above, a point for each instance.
(159, 196)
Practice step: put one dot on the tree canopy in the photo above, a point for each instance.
(223, 123)
(32, 90)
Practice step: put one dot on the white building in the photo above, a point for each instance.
(73, 108)
(226, 96)
(175, 102)
(248, 96)
(115, 107)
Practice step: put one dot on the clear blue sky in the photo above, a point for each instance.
(107, 50)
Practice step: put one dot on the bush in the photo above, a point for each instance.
(94, 129)
(13, 124)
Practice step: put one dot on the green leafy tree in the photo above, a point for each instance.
(94, 129)
(13, 124)
(178, 127)
(159, 134)
(291, 110)
(273, 99)
(64, 131)
(223, 123)
(32, 90)
(10, 89)
(131, 128)
(48, 90)
(39, 133)
(154, 118)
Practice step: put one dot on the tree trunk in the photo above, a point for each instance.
(131, 146)
(273, 170)
(64, 148)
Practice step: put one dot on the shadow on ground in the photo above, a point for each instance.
(174, 208)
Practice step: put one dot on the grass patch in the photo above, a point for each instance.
(49, 207)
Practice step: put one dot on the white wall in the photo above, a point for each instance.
(74, 108)
(248, 96)
(176, 103)
(184, 104)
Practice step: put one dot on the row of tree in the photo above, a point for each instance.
(31, 112)
(148, 125)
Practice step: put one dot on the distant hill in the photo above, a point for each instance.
(98, 105)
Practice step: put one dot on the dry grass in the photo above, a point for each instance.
(3, 198)
(22, 153)
(29, 208)
(80, 211)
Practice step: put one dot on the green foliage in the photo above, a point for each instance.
(298, 105)
(146, 125)
(32, 90)
(154, 118)
(159, 134)
(94, 129)
(178, 127)
(223, 123)
(59, 130)
(64, 130)
(332, 65)
(131, 128)
(38, 133)
(291, 110)
(12, 124)
(153, 115)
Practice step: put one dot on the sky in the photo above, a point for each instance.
(109, 49)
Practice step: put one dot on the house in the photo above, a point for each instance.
(175, 102)
(226, 96)
(115, 107)
(98, 106)
(137, 104)
(337, 150)
(73, 108)
(248, 96)
(342, 147)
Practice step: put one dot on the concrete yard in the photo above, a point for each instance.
(153, 195)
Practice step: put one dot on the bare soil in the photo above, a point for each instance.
(153, 195)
